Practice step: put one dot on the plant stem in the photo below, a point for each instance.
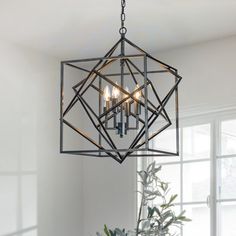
(139, 214)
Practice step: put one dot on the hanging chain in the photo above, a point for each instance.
(123, 29)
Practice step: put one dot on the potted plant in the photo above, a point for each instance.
(153, 220)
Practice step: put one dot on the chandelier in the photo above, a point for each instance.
(119, 104)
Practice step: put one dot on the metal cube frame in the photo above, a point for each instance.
(156, 110)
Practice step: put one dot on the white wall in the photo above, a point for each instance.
(29, 121)
(209, 83)
(77, 196)
(208, 72)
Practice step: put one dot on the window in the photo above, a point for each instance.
(18, 177)
(204, 174)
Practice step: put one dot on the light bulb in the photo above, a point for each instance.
(106, 93)
(137, 95)
(115, 92)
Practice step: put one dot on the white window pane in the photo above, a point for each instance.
(29, 201)
(30, 233)
(227, 178)
(200, 224)
(8, 204)
(171, 175)
(9, 140)
(28, 143)
(165, 141)
(196, 181)
(196, 142)
(228, 137)
(173, 229)
(226, 219)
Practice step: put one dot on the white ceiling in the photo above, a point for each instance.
(84, 28)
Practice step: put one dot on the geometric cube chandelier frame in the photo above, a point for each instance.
(117, 112)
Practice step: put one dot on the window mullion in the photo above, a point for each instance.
(213, 203)
(181, 175)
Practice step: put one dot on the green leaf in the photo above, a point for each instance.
(151, 167)
(106, 231)
(173, 197)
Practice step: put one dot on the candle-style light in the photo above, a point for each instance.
(137, 105)
(115, 96)
(107, 97)
(114, 99)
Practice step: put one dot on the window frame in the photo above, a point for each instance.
(19, 174)
(214, 119)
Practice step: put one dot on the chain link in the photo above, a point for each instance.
(123, 29)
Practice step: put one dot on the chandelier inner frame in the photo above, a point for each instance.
(140, 145)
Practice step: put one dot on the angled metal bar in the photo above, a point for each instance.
(76, 100)
(141, 132)
(168, 67)
(81, 84)
(84, 81)
(154, 135)
(135, 73)
(89, 139)
(78, 67)
(139, 119)
(91, 119)
(165, 100)
(112, 145)
(136, 82)
(95, 75)
(82, 134)
(165, 116)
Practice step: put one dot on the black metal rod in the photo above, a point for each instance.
(108, 150)
(136, 73)
(96, 75)
(104, 58)
(136, 82)
(122, 51)
(111, 143)
(141, 73)
(89, 139)
(61, 106)
(100, 107)
(85, 80)
(77, 67)
(154, 135)
(177, 115)
(118, 74)
(166, 66)
(163, 103)
(91, 119)
(141, 132)
(146, 103)
(166, 99)
(82, 83)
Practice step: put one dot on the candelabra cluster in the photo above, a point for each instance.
(125, 109)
